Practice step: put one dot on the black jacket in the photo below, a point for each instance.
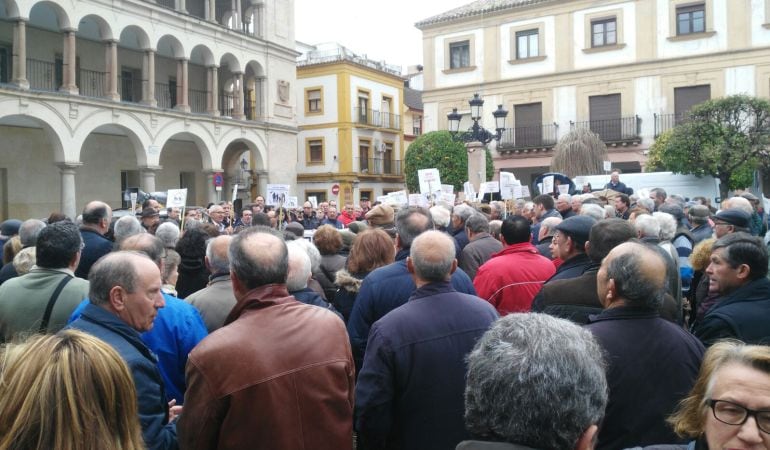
(743, 314)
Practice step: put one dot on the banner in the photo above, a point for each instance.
(177, 198)
(277, 194)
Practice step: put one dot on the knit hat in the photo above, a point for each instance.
(347, 239)
(380, 216)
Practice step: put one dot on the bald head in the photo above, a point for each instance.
(97, 216)
(217, 260)
(258, 257)
(632, 274)
(432, 256)
(147, 244)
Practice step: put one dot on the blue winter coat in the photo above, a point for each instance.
(157, 432)
(743, 314)
(384, 290)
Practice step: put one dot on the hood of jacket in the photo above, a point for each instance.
(348, 281)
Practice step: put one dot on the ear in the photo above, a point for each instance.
(206, 260)
(588, 439)
(454, 266)
(588, 246)
(612, 292)
(117, 298)
(744, 271)
(239, 289)
(409, 265)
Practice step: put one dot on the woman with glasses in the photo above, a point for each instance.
(729, 406)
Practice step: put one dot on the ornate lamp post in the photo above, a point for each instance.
(476, 137)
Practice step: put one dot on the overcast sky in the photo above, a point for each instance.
(382, 30)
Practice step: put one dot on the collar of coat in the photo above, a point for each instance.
(522, 247)
(260, 297)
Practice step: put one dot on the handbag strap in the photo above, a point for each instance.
(51, 302)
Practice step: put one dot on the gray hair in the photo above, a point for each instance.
(535, 380)
(609, 211)
(114, 269)
(630, 282)
(24, 260)
(647, 225)
(412, 222)
(463, 212)
(299, 267)
(549, 223)
(432, 254)
(477, 223)
(647, 203)
(29, 230)
(565, 197)
(312, 253)
(127, 226)
(494, 228)
(667, 225)
(497, 206)
(168, 233)
(440, 216)
(218, 261)
(258, 257)
(591, 210)
(738, 203)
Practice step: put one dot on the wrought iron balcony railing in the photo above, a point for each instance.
(92, 83)
(43, 75)
(376, 118)
(665, 122)
(520, 138)
(378, 166)
(614, 131)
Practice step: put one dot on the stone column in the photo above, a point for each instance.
(20, 54)
(212, 10)
(213, 84)
(477, 164)
(69, 61)
(182, 103)
(238, 15)
(111, 58)
(181, 6)
(68, 193)
(148, 78)
(261, 182)
(148, 178)
(210, 189)
(238, 97)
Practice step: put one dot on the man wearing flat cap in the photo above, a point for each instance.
(698, 216)
(381, 216)
(731, 220)
(569, 243)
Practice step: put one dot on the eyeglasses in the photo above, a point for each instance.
(735, 414)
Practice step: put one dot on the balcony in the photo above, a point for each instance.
(614, 132)
(92, 83)
(44, 75)
(377, 119)
(378, 166)
(665, 122)
(524, 139)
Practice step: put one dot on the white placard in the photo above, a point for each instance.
(313, 201)
(540, 187)
(235, 195)
(447, 189)
(383, 199)
(492, 186)
(469, 190)
(547, 185)
(133, 196)
(607, 166)
(417, 200)
(398, 198)
(277, 194)
(430, 180)
(517, 192)
(525, 191)
(482, 191)
(507, 183)
(177, 198)
(564, 189)
(449, 198)
(291, 202)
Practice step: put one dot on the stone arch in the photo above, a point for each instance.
(9, 9)
(253, 143)
(49, 16)
(169, 46)
(202, 55)
(231, 62)
(195, 133)
(40, 116)
(134, 38)
(94, 27)
(243, 164)
(127, 125)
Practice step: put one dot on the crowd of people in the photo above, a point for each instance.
(603, 320)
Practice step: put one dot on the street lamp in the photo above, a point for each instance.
(476, 137)
(477, 133)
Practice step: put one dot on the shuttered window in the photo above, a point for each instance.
(528, 124)
(605, 116)
(687, 97)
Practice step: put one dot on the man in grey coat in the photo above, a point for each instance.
(481, 246)
(216, 300)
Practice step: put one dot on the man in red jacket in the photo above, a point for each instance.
(512, 277)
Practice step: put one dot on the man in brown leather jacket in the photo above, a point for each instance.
(279, 374)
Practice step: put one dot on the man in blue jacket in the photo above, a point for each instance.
(389, 287)
(738, 271)
(125, 297)
(409, 394)
(96, 222)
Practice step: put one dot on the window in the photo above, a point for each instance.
(5, 68)
(320, 196)
(387, 157)
(363, 156)
(388, 121)
(416, 125)
(691, 19)
(315, 151)
(604, 32)
(313, 101)
(527, 43)
(459, 54)
(363, 106)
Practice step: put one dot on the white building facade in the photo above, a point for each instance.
(627, 69)
(98, 97)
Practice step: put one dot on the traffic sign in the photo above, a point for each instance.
(336, 189)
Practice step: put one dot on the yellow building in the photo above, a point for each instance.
(626, 69)
(351, 140)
